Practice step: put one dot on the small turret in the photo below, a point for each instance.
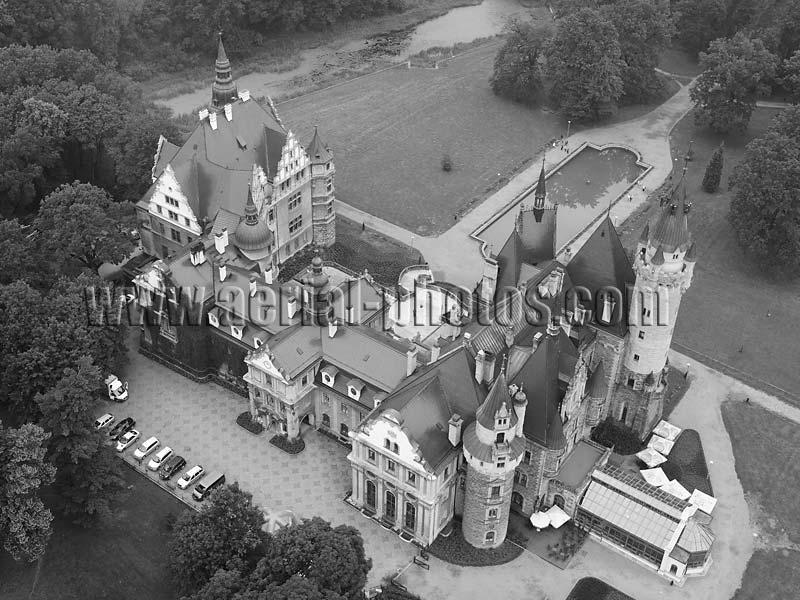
(658, 257)
(223, 90)
(540, 195)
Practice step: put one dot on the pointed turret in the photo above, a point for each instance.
(691, 254)
(498, 402)
(645, 234)
(317, 151)
(223, 90)
(252, 236)
(540, 195)
(658, 257)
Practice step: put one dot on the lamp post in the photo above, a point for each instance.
(569, 123)
(689, 152)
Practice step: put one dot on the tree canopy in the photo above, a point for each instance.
(735, 72)
(25, 523)
(765, 210)
(698, 22)
(517, 71)
(585, 65)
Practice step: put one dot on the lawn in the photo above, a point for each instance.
(766, 447)
(390, 130)
(590, 588)
(734, 313)
(121, 559)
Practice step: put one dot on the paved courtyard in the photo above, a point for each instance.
(198, 421)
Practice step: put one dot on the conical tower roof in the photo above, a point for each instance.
(541, 188)
(658, 258)
(672, 228)
(317, 151)
(497, 398)
(691, 254)
(223, 90)
(645, 233)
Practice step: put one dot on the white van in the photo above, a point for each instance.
(146, 448)
(160, 458)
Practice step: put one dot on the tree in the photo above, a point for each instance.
(713, 172)
(25, 523)
(697, 22)
(332, 557)
(789, 30)
(584, 62)
(224, 535)
(17, 254)
(765, 211)
(80, 223)
(735, 73)
(644, 30)
(791, 76)
(517, 73)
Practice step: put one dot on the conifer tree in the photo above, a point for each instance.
(713, 172)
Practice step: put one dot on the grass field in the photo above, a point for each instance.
(734, 314)
(121, 559)
(766, 447)
(390, 130)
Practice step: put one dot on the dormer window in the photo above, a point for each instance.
(354, 388)
(329, 375)
(236, 332)
(213, 320)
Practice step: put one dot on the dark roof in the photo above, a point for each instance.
(672, 228)
(596, 385)
(658, 257)
(541, 186)
(317, 151)
(497, 397)
(428, 399)
(252, 233)
(691, 254)
(580, 463)
(538, 378)
(602, 262)
(537, 229)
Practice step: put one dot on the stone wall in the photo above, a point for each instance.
(478, 502)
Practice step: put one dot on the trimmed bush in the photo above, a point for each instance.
(713, 172)
(245, 420)
(623, 439)
(287, 445)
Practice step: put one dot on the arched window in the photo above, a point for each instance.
(410, 520)
(371, 495)
(516, 500)
(558, 500)
(343, 430)
(326, 420)
(390, 506)
(501, 437)
(489, 537)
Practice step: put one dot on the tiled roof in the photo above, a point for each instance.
(341, 380)
(696, 537)
(672, 228)
(317, 151)
(497, 397)
(602, 262)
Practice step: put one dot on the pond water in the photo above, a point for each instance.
(465, 24)
(582, 187)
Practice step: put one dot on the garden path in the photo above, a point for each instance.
(530, 577)
(455, 257)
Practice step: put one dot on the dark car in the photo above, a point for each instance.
(122, 428)
(172, 466)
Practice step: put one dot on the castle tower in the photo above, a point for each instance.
(323, 214)
(317, 307)
(540, 195)
(223, 90)
(664, 265)
(493, 450)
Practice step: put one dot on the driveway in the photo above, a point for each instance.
(198, 421)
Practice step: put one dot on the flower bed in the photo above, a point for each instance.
(590, 588)
(456, 550)
(287, 445)
(246, 421)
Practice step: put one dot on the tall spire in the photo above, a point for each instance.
(250, 210)
(223, 90)
(540, 193)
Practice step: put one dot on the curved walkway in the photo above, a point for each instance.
(456, 258)
(531, 578)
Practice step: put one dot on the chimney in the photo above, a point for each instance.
(454, 429)
(509, 336)
(223, 271)
(537, 339)
(520, 404)
(203, 114)
(269, 274)
(411, 361)
(436, 351)
(553, 327)
(332, 328)
(253, 286)
(198, 254)
(488, 368)
(212, 120)
(229, 112)
(221, 241)
(350, 313)
(480, 366)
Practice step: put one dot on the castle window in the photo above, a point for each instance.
(158, 208)
(344, 408)
(645, 312)
(631, 382)
(635, 357)
(501, 463)
(370, 455)
(528, 456)
(491, 513)
(176, 235)
(295, 224)
(294, 200)
(186, 221)
(387, 444)
(490, 537)
(271, 215)
(395, 448)
(521, 479)
(495, 492)
(411, 478)
(304, 380)
(641, 335)
(501, 437)
(162, 230)
(326, 400)
(173, 215)
(674, 256)
(391, 466)
(329, 184)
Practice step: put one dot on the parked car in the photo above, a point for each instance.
(171, 466)
(104, 421)
(158, 460)
(117, 391)
(127, 440)
(190, 476)
(209, 482)
(146, 448)
(121, 428)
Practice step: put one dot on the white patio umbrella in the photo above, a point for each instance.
(660, 444)
(540, 520)
(667, 430)
(655, 477)
(557, 516)
(676, 489)
(277, 519)
(703, 501)
(652, 458)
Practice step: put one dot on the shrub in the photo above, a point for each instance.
(287, 445)
(713, 172)
(623, 439)
(447, 163)
(246, 421)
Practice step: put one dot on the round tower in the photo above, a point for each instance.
(493, 450)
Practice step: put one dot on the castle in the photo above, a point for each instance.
(472, 421)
